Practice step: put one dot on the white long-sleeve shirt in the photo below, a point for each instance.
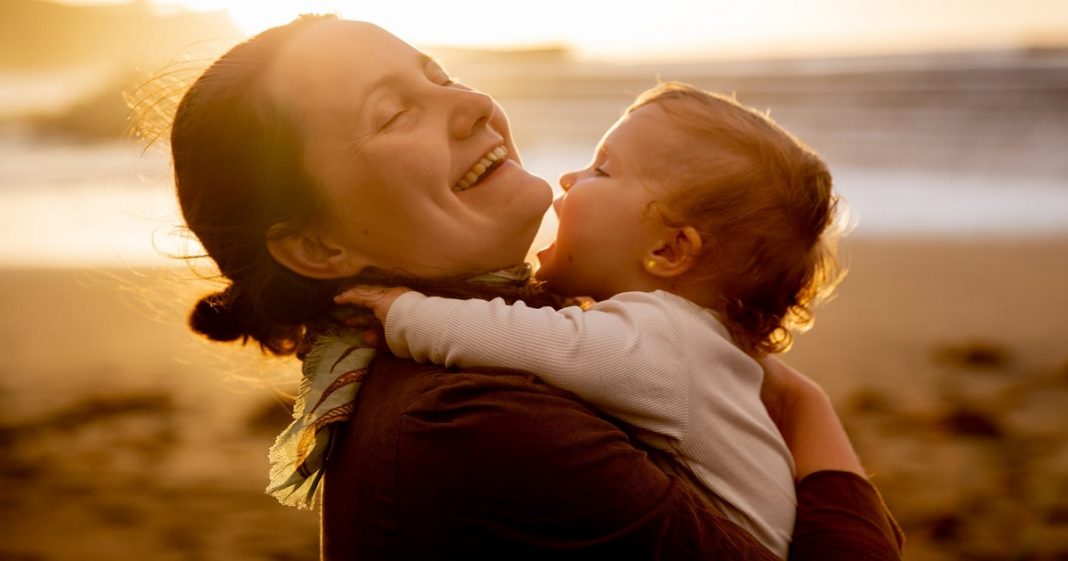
(653, 360)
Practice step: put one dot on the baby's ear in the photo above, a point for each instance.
(312, 254)
(674, 254)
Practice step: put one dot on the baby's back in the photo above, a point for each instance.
(730, 444)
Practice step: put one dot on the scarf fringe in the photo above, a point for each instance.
(332, 373)
(299, 451)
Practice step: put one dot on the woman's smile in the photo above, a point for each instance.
(485, 166)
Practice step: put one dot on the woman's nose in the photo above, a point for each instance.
(567, 180)
(470, 111)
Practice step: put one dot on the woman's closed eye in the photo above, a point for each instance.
(600, 172)
(436, 75)
(392, 120)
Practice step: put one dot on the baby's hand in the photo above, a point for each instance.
(378, 298)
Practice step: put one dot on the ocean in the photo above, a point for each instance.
(65, 204)
(950, 145)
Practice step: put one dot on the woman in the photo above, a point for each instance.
(326, 152)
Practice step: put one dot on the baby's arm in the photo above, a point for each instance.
(624, 355)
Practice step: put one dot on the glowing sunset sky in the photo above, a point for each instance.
(662, 28)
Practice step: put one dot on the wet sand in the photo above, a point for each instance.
(125, 436)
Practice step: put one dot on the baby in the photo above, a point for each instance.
(702, 230)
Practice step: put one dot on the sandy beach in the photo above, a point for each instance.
(125, 436)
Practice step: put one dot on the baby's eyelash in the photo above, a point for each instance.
(600, 172)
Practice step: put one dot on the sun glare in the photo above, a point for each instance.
(450, 23)
(253, 16)
(676, 27)
(586, 27)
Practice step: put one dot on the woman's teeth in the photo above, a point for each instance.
(476, 171)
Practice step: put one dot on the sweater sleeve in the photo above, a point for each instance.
(840, 516)
(625, 355)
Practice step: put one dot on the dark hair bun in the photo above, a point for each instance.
(214, 316)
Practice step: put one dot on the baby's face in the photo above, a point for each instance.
(607, 223)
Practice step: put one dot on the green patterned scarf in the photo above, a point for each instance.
(334, 367)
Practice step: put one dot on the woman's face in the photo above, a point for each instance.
(411, 163)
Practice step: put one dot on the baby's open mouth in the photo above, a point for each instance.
(483, 168)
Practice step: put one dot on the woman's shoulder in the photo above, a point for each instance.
(495, 449)
(434, 392)
(505, 437)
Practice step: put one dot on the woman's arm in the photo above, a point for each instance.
(807, 421)
(840, 515)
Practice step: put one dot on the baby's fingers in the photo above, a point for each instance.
(378, 298)
(361, 295)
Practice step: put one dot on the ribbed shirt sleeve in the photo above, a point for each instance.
(624, 355)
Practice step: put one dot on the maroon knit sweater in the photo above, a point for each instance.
(495, 464)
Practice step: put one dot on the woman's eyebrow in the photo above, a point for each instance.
(386, 80)
(390, 79)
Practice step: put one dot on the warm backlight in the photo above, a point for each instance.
(673, 28)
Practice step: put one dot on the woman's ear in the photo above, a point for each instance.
(674, 254)
(312, 255)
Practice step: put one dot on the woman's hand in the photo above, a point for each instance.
(378, 299)
(807, 421)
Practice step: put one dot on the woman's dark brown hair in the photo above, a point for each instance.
(238, 171)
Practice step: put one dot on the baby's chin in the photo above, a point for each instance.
(557, 280)
(553, 282)
(545, 271)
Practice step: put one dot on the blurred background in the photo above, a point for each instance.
(945, 124)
